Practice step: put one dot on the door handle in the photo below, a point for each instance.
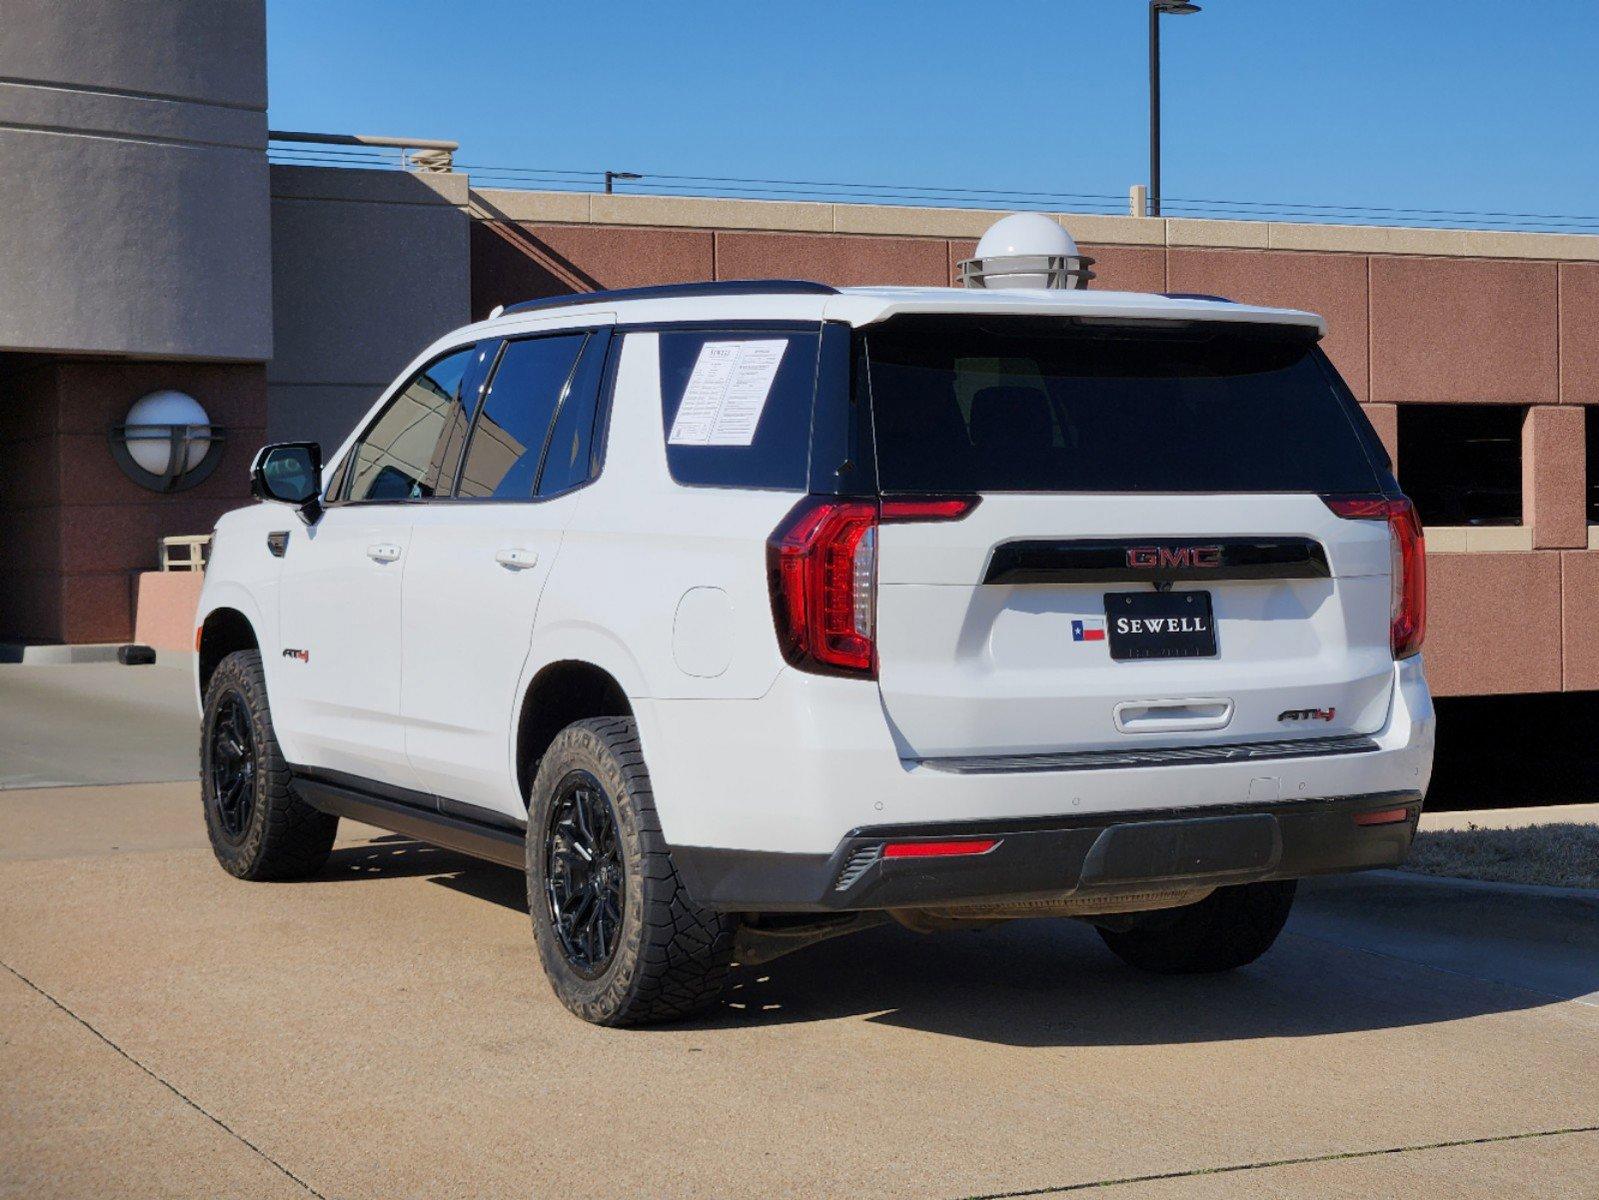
(383, 552)
(516, 559)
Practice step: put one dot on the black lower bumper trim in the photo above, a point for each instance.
(1042, 858)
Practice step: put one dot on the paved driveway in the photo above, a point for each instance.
(68, 724)
(382, 1031)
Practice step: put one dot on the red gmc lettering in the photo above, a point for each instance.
(1155, 557)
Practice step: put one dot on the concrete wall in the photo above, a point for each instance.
(133, 201)
(367, 268)
(1415, 316)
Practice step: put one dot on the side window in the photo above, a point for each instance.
(570, 460)
(336, 484)
(506, 443)
(737, 406)
(399, 458)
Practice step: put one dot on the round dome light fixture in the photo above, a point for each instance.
(1026, 250)
(167, 442)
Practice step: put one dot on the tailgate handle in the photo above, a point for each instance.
(1169, 716)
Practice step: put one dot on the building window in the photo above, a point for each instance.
(1461, 463)
(1591, 417)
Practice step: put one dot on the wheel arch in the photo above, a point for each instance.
(224, 631)
(560, 692)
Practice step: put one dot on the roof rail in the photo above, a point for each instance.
(668, 291)
(1198, 296)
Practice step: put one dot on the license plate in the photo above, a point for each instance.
(1143, 625)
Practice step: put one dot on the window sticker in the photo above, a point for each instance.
(727, 393)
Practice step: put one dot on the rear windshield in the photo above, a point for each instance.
(1026, 405)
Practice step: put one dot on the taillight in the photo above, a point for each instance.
(821, 566)
(1408, 555)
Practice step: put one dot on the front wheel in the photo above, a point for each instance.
(619, 938)
(1231, 927)
(259, 828)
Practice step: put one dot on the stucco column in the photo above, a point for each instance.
(1554, 476)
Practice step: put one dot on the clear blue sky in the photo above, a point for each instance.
(1467, 105)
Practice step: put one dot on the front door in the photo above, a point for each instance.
(339, 624)
(338, 703)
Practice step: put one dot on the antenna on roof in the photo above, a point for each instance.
(1026, 250)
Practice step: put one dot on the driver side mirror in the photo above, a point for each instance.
(290, 473)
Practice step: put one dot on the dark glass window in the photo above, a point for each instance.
(400, 456)
(1026, 405)
(1591, 416)
(507, 439)
(570, 460)
(1461, 463)
(777, 454)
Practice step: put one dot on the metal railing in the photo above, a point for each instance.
(416, 154)
(422, 154)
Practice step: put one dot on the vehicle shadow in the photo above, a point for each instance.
(1036, 983)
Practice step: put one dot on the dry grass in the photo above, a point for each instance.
(1563, 855)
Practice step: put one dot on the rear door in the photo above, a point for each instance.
(479, 562)
(1151, 562)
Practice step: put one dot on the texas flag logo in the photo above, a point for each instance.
(1088, 631)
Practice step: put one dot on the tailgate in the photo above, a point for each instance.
(994, 637)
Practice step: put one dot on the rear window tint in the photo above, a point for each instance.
(777, 455)
(1044, 406)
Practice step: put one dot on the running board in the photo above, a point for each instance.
(461, 834)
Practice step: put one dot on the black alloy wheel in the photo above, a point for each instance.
(585, 884)
(233, 766)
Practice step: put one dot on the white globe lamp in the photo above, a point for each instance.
(167, 442)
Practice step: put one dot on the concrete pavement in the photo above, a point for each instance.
(78, 723)
(383, 1031)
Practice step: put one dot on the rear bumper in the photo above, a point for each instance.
(1111, 855)
(817, 759)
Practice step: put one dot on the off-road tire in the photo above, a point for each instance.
(283, 837)
(670, 957)
(1231, 927)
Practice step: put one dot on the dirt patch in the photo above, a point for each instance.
(1562, 855)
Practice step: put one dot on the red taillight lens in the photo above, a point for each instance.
(821, 565)
(926, 508)
(950, 849)
(1408, 550)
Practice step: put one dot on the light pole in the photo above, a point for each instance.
(1177, 8)
(612, 176)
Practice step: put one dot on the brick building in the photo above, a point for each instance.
(150, 244)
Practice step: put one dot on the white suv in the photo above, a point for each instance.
(744, 614)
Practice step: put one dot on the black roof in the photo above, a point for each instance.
(668, 291)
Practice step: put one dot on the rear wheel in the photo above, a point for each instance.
(259, 828)
(618, 936)
(1229, 928)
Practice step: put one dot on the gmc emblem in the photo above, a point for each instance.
(1153, 558)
